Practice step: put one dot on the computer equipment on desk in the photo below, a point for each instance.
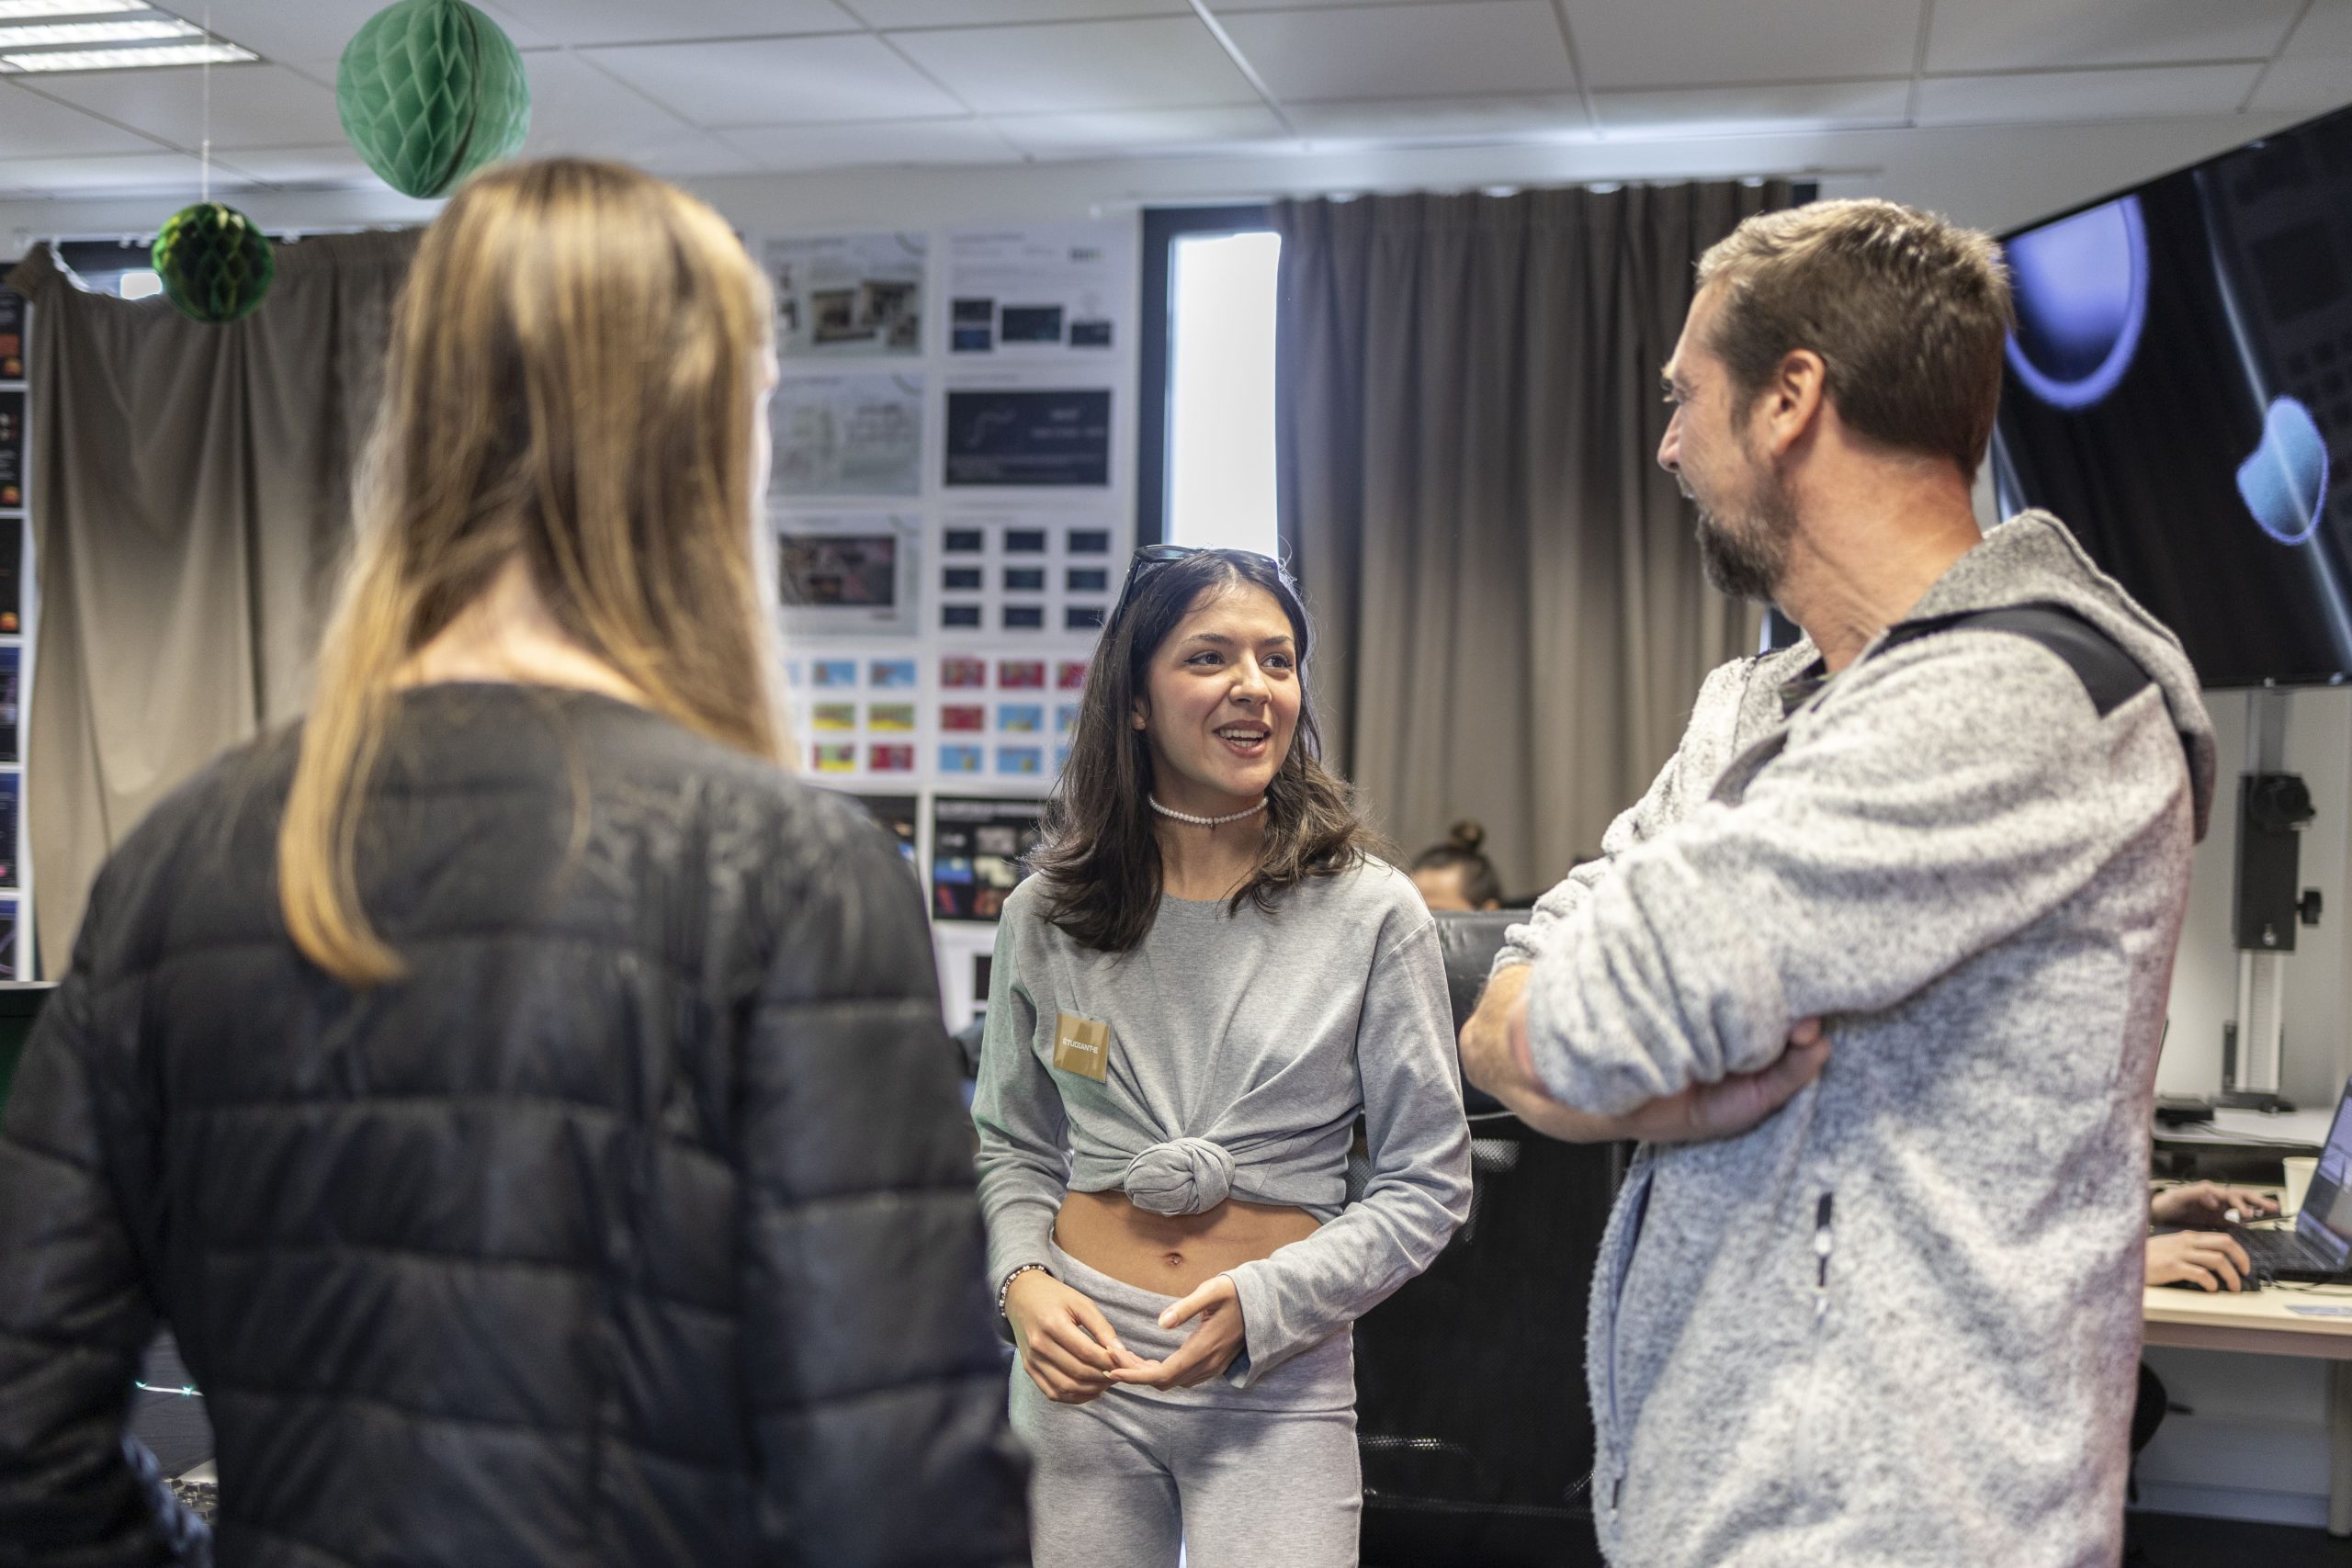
(2319, 1249)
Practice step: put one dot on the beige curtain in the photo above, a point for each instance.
(190, 500)
(1512, 616)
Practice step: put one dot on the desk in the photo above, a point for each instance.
(2262, 1324)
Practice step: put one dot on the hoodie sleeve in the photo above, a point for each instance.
(1680, 786)
(1963, 788)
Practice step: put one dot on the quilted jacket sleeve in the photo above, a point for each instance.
(876, 1385)
(76, 1314)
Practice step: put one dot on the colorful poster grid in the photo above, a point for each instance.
(857, 715)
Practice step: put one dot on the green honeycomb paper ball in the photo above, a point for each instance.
(430, 91)
(215, 267)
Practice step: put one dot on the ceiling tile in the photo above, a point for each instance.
(1724, 111)
(1691, 43)
(1383, 51)
(1221, 8)
(579, 110)
(1113, 133)
(171, 175)
(1544, 115)
(779, 81)
(312, 167)
(632, 21)
(1163, 63)
(2023, 34)
(967, 141)
(991, 12)
(252, 106)
(2153, 91)
(2315, 71)
(35, 126)
(281, 29)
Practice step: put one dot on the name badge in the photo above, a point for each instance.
(1082, 1045)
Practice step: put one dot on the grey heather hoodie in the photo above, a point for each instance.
(1897, 1322)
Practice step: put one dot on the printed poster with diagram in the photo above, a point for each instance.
(847, 574)
(848, 295)
(977, 851)
(1028, 438)
(1039, 291)
(848, 434)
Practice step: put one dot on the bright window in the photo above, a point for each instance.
(1221, 390)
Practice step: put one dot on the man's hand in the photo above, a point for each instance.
(1495, 1057)
(2204, 1205)
(2207, 1258)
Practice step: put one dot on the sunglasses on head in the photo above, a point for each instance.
(1149, 559)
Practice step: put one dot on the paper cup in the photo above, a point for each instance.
(2298, 1180)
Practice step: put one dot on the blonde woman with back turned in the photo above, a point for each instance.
(526, 1103)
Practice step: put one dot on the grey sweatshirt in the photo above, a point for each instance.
(1897, 1322)
(1242, 1048)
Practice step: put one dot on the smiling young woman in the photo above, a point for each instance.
(1208, 982)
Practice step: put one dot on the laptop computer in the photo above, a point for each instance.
(2319, 1249)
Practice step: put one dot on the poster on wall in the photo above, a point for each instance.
(1018, 437)
(978, 848)
(1008, 717)
(12, 333)
(848, 574)
(848, 295)
(12, 450)
(1043, 291)
(12, 573)
(11, 791)
(11, 704)
(855, 716)
(898, 816)
(847, 434)
(1026, 575)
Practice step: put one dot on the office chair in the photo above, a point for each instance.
(1472, 1415)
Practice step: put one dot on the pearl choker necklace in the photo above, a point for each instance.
(1206, 821)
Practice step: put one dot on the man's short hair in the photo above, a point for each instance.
(1908, 312)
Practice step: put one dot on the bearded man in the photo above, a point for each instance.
(1877, 971)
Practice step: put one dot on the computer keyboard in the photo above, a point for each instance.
(2274, 1252)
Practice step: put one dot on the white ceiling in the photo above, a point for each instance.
(703, 87)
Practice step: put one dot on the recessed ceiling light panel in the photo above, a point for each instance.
(120, 59)
(41, 35)
(17, 10)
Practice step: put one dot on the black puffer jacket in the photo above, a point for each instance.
(636, 1226)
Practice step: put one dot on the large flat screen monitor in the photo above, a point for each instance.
(2179, 392)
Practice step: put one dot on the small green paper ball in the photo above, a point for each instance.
(430, 91)
(215, 267)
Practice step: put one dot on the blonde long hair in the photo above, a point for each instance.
(574, 366)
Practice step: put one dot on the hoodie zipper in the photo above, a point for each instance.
(1637, 1211)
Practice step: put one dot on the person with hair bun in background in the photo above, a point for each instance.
(1456, 874)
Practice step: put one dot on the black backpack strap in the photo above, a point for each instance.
(2111, 677)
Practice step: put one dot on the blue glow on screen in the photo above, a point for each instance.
(2082, 297)
(2285, 481)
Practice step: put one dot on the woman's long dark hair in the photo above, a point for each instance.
(1100, 855)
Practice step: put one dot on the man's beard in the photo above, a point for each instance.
(1745, 559)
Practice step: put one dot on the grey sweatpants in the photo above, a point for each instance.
(1238, 1478)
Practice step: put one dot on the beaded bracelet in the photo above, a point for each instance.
(1007, 1286)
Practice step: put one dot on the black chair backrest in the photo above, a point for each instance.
(1472, 1415)
(1469, 939)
